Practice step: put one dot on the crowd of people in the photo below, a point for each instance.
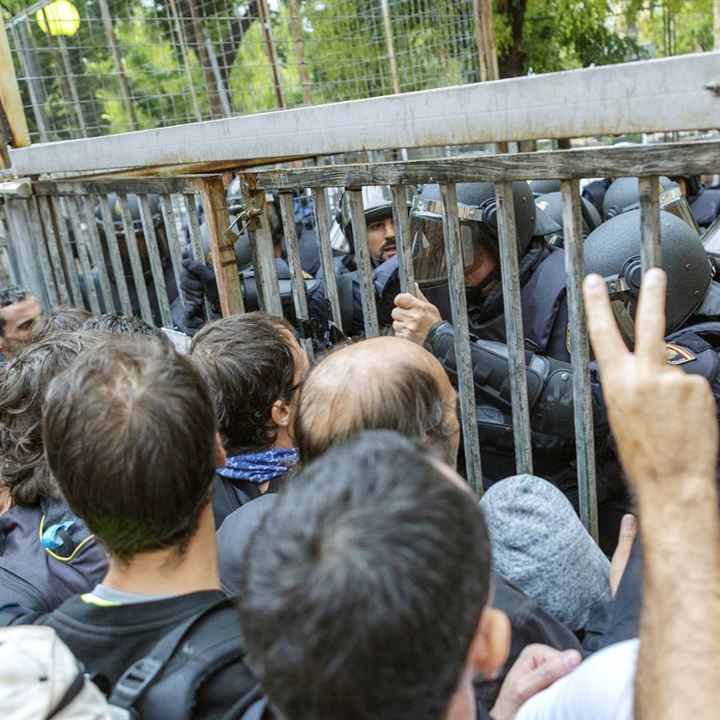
(219, 529)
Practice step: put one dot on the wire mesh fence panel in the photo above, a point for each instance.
(96, 67)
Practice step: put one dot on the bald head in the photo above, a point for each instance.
(382, 383)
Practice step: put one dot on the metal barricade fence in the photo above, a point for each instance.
(68, 252)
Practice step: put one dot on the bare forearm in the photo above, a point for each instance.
(678, 673)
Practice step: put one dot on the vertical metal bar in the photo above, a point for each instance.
(509, 264)
(364, 263)
(650, 252)
(574, 269)
(22, 235)
(299, 42)
(71, 84)
(196, 247)
(264, 254)
(296, 273)
(222, 245)
(113, 247)
(322, 223)
(88, 277)
(182, 41)
(156, 267)
(463, 357)
(168, 213)
(266, 26)
(46, 217)
(401, 218)
(97, 255)
(38, 238)
(390, 46)
(117, 62)
(135, 260)
(70, 267)
(28, 67)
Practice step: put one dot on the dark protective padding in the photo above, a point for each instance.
(624, 192)
(551, 204)
(543, 187)
(616, 241)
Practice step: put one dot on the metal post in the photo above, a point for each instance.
(264, 12)
(222, 90)
(582, 396)
(46, 219)
(97, 255)
(298, 40)
(87, 275)
(222, 245)
(364, 263)
(322, 223)
(463, 357)
(510, 273)
(650, 251)
(111, 242)
(173, 240)
(485, 40)
(117, 61)
(182, 42)
(135, 260)
(71, 84)
(10, 98)
(401, 218)
(390, 45)
(70, 267)
(296, 273)
(37, 98)
(263, 252)
(156, 267)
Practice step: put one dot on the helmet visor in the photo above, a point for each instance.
(622, 303)
(673, 201)
(428, 242)
(711, 238)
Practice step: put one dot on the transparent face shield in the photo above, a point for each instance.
(673, 201)
(428, 242)
(711, 238)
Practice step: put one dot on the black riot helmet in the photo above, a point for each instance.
(543, 187)
(133, 205)
(243, 248)
(377, 204)
(551, 203)
(613, 251)
(477, 212)
(624, 194)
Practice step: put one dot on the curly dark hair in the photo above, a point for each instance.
(62, 319)
(114, 324)
(22, 390)
(248, 363)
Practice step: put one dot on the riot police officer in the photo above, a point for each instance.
(156, 218)
(693, 342)
(551, 203)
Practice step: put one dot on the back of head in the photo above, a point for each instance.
(22, 389)
(114, 324)
(248, 364)
(364, 585)
(129, 433)
(64, 318)
(384, 383)
(613, 250)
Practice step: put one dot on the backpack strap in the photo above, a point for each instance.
(164, 682)
(254, 705)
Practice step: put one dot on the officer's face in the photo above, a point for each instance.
(381, 238)
(20, 319)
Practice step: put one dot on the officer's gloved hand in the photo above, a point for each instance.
(197, 282)
(194, 317)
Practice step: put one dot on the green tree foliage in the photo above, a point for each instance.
(344, 46)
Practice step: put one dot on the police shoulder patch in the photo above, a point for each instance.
(677, 355)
